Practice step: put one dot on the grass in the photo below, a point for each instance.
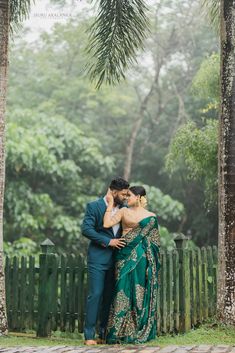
(209, 333)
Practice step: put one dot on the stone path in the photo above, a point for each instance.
(121, 349)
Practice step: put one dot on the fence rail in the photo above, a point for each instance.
(51, 296)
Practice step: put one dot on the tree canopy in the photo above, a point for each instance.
(58, 111)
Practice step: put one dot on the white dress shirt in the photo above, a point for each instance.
(114, 210)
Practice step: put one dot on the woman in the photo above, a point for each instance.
(132, 316)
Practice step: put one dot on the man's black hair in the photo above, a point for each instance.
(119, 184)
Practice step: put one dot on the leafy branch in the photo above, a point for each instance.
(19, 11)
(212, 10)
(115, 36)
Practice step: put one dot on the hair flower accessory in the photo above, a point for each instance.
(143, 201)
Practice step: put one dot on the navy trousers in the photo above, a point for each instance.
(100, 291)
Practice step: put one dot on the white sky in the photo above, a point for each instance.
(43, 15)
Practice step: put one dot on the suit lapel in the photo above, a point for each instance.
(102, 207)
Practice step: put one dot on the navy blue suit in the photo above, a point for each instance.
(100, 268)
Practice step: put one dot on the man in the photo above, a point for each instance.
(100, 259)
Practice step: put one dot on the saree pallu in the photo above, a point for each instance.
(132, 317)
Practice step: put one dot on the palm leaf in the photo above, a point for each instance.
(212, 10)
(114, 38)
(19, 11)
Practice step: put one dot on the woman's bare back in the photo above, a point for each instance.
(131, 218)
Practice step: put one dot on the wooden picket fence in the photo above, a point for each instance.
(51, 296)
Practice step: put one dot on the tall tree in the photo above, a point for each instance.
(225, 11)
(11, 15)
(161, 46)
(226, 276)
(4, 35)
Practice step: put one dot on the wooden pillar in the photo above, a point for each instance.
(184, 283)
(48, 262)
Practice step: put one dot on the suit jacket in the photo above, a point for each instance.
(92, 227)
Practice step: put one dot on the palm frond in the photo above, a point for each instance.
(212, 10)
(114, 38)
(19, 11)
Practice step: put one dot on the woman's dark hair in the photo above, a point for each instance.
(138, 190)
(119, 184)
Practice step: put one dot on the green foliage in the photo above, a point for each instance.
(106, 114)
(167, 239)
(19, 10)
(168, 209)
(168, 243)
(115, 36)
(197, 149)
(212, 10)
(21, 247)
(206, 82)
(53, 170)
(47, 78)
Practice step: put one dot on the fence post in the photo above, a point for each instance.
(46, 281)
(184, 282)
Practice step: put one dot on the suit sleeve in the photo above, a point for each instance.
(89, 231)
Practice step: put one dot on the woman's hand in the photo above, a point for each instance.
(109, 198)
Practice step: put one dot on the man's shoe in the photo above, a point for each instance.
(100, 341)
(90, 342)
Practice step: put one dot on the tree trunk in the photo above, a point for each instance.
(159, 61)
(4, 35)
(226, 241)
(130, 147)
(137, 124)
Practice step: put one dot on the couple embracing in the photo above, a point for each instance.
(123, 266)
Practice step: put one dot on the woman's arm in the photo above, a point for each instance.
(110, 220)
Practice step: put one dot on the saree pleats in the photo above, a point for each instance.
(132, 316)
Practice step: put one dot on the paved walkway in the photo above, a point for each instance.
(121, 349)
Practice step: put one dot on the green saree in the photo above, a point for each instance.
(132, 316)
